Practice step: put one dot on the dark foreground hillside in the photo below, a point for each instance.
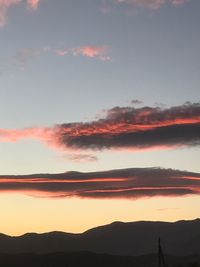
(88, 259)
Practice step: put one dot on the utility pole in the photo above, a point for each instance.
(161, 259)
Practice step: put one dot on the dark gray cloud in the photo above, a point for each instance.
(122, 183)
(136, 102)
(136, 128)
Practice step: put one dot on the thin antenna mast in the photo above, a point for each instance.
(161, 259)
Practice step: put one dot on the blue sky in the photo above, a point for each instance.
(154, 57)
(69, 61)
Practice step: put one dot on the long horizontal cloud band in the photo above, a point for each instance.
(122, 183)
(177, 135)
(122, 127)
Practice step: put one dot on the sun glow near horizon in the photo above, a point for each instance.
(74, 215)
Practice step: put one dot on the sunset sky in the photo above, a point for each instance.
(100, 113)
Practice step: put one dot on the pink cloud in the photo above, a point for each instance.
(33, 4)
(99, 52)
(129, 183)
(125, 128)
(4, 6)
(24, 56)
(61, 52)
(46, 135)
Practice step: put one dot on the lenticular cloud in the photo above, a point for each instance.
(125, 183)
(122, 128)
(135, 128)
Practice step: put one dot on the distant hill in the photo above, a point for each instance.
(181, 238)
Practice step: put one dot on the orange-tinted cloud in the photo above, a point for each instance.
(33, 4)
(127, 128)
(92, 52)
(135, 128)
(25, 55)
(33, 133)
(124, 183)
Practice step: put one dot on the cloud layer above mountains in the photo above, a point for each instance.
(123, 183)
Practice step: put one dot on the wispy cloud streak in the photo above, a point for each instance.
(24, 56)
(92, 52)
(178, 2)
(6, 4)
(82, 158)
(124, 183)
(149, 4)
(122, 128)
(33, 4)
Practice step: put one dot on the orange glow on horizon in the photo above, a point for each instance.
(19, 221)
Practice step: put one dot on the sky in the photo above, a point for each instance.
(100, 113)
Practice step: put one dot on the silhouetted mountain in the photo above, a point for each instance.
(135, 238)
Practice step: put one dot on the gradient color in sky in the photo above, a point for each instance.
(100, 112)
